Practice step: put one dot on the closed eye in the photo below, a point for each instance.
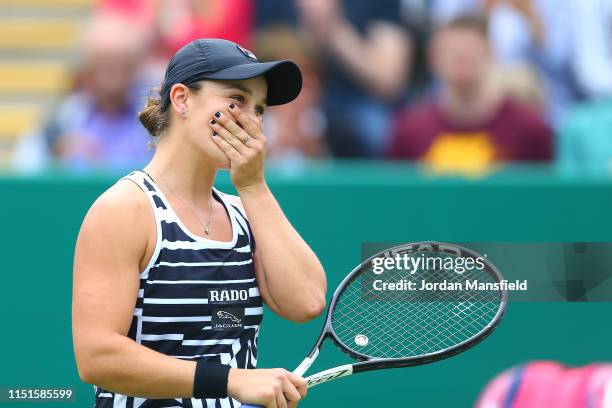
(241, 99)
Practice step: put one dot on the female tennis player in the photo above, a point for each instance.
(170, 274)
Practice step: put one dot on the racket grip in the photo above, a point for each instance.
(300, 370)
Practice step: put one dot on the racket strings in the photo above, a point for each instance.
(400, 324)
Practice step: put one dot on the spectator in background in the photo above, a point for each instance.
(296, 130)
(471, 123)
(535, 32)
(167, 25)
(367, 58)
(539, 32)
(174, 23)
(97, 124)
(592, 55)
(365, 54)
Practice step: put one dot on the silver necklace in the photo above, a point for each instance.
(207, 226)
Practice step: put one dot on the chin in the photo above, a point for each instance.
(215, 156)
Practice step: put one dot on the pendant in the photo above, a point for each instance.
(207, 231)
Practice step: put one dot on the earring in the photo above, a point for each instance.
(184, 112)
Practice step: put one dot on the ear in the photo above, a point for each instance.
(179, 95)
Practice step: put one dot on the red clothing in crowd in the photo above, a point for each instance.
(513, 133)
(228, 19)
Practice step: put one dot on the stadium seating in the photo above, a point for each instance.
(38, 44)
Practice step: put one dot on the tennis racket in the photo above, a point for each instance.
(400, 327)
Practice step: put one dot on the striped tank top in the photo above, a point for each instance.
(198, 298)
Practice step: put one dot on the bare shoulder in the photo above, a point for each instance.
(109, 251)
(123, 200)
(121, 213)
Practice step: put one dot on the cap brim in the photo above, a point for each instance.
(284, 78)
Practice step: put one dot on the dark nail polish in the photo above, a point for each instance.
(212, 122)
(217, 114)
(232, 106)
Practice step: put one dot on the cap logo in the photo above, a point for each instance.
(246, 52)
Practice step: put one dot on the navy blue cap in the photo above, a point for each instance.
(212, 58)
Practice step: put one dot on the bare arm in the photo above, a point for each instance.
(111, 243)
(291, 279)
(110, 249)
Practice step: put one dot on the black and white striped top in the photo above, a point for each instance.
(198, 298)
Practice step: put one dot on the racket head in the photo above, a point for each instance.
(399, 329)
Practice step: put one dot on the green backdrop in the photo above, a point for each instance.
(335, 207)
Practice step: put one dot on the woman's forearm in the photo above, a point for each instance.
(121, 365)
(294, 276)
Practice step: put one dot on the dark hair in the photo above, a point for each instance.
(477, 24)
(153, 117)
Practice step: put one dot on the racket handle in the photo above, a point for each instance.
(300, 370)
(305, 365)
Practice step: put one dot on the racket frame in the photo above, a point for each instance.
(367, 363)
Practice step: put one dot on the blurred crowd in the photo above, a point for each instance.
(457, 85)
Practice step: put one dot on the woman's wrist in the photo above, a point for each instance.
(211, 380)
(253, 189)
(233, 381)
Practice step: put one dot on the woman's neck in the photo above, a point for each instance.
(184, 170)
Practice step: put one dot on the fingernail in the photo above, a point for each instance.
(212, 122)
(232, 106)
(217, 114)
